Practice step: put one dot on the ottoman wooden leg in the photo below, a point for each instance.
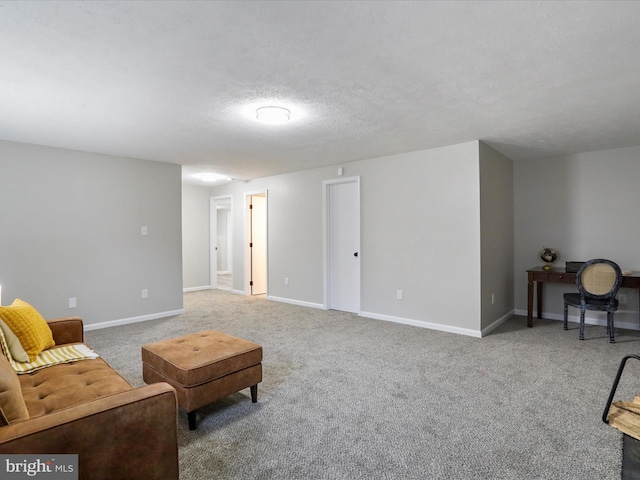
(254, 393)
(191, 416)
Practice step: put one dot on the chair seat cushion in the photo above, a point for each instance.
(593, 303)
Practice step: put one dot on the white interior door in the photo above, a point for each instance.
(343, 245)
(229, 241)
(213, 243)
(258, 244)
(221, 239)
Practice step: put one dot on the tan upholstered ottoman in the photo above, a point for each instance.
(203, 367)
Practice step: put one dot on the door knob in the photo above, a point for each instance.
(355, 254)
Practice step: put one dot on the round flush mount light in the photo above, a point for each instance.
(213, 177)
(273, 115)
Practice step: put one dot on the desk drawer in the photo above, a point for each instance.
(562, 277)
(539, 276)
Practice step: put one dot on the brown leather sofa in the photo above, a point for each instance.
(86, 408)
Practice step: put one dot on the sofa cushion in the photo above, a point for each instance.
(29, 326)
(61, 386)
(12, 405)
(14, 345)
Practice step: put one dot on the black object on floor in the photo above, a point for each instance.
(630, 458)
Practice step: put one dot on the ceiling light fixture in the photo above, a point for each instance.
(273, 115)
(212, 177)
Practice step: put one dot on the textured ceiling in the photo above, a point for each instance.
(179, 81)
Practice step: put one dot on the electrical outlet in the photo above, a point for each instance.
(286, 280)
(399, 295)
(72, 302)
(145, 293)
(622, 299)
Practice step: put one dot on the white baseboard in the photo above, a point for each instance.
(497, 323)
(588, 320)
(422, 324)
(296, 302)
(125, 321)
(196, 289)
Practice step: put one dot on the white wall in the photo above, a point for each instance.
(496, 219)
(585, 206)
(420, 233)
(195, 239)
(420, 230)
(72, 228)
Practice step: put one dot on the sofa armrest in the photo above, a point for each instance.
(130, 435)
(67, 330)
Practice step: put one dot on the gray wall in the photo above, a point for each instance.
(585, 206)
(420, 233)
(497, 248)
(195, 239)
(72, 228)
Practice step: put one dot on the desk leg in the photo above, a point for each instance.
(530, 304)
(539, 294)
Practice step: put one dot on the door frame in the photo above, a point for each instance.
(326, 185)
(247, 250)
(213, 238)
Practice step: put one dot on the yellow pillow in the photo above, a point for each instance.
(28, 325)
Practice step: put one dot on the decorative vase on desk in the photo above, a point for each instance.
(549, 256)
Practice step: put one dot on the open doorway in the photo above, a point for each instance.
(221, 270)
(256, 243)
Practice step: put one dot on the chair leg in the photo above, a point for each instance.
(582, 311)
(566, 316)
(610, 325)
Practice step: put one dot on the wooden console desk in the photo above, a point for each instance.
(558, 275)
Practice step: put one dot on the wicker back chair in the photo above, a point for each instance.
(598, 283)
